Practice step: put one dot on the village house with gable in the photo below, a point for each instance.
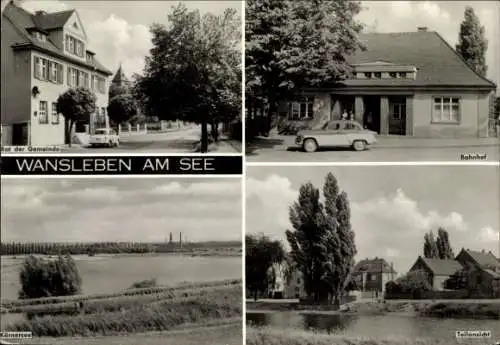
(43, 55)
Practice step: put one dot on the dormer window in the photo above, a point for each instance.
(74, 46)
(75, 25)
(90, 57)
(402, 74)
(368, 75)
(378, 75)
(393, 74)
(40, 36)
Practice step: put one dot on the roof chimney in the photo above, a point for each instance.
(422, 28)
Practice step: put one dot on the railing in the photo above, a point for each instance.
(132, 129)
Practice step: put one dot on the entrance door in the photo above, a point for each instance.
(371, 117)
(20, 134)
(397, 116)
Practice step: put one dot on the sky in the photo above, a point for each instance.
(143, 210)
(391, 207)
(118, 31)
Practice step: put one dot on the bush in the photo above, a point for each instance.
(45, 278)
(148, 283)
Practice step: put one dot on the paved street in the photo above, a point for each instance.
(180, 141)
(386, 150)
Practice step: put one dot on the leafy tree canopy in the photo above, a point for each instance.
(472, 42)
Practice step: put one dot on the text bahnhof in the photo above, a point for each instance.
(110, 165)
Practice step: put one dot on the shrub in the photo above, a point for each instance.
(148, 283)
(44, 278)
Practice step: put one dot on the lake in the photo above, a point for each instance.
(372, 326)
(108, 273)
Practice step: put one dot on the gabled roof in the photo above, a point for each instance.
(483, 259)
(24, 21)
(377, 265)
(442, 267)
(50, 21)
(436, 61)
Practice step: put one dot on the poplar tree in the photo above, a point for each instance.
(472, 43)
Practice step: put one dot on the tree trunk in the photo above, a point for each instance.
(204, 136)
(255, 295)
(68, 132)
(215, 130)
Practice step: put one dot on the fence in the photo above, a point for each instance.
(132, 129)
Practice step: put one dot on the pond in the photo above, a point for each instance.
(373, 326)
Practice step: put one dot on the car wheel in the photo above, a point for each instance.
(310, 145)
(110, 144)
(359, 145)
(117, 143)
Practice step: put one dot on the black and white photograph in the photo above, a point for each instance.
(412, 258)
(122, 261)
(132, 76)
(371, 81)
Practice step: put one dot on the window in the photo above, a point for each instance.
(378, 75)
(373, 277)
(333, 126)
(89, 57)
(446, 110)
(47, 70)
(93, 82)
(74, 46)
(53, 72)
(393, 75)
(55, 114)
(398, 111)
(302, 109)
(368, 75)
(402, 74)
(101, 84)
(38, 67)
(43, 116)
(41, 37)
(74, 77)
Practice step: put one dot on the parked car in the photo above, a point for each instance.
(104, 137)
(341, 133)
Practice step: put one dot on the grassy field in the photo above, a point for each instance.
(135, 313)
(229, 333)
(112, 274)
(270, 336)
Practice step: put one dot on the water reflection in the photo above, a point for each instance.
(372, 326)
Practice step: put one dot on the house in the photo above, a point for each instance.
(404, 84)
(371, 275)
(485, 269)
(43, 55)
(438, 270)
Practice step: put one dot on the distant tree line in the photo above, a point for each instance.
(27, 248)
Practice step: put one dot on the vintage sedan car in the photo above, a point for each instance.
(104, 137)
(336, 134)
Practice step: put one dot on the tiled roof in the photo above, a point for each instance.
(50, 21)
(492, 273)
(436, 61)
(484, 259)
(442, 267)
(23, 20)
(373, 266)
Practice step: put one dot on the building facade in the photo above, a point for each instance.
(43, 55)
(405, 84)
(371, 275)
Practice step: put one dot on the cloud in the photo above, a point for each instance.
(46, 5)
(99, 210)
(433, 10)
(402, 8)
(391, 225)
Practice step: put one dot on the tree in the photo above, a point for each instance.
(322, 242)
(443, 245)
(472, 43)
(193, 72)
(260, 255)
(76, 104)
(413, 282)
(459, 280)
(293, 44)
(496, 111)
(122, 108)
(44, 278)
(430, 246)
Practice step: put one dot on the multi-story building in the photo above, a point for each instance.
(371, 275)
(43, 55)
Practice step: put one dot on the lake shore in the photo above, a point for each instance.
(484, 309)
(274, 336)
